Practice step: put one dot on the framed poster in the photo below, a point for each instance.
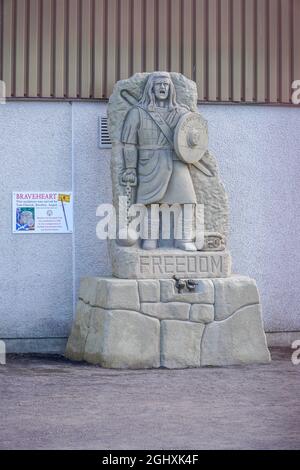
(42, 212)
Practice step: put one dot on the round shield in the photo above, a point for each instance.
(191, 138)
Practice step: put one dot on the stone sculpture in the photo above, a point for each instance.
(156, 159)
(170, 303)
(149, 155)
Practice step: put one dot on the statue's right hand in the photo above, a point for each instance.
(129, 176)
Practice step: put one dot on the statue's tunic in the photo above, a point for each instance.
(162, 177)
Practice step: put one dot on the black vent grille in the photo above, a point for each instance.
(104, 139)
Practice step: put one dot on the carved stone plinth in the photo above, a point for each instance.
(151, 323)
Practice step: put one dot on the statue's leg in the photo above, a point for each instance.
(184, 233)
(150, 235)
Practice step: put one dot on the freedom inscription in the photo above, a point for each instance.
(185, 265)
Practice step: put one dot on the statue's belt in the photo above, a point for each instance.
(154, 147)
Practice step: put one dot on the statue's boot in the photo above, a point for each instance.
(149, 244)
(185, 230)
(187, 245)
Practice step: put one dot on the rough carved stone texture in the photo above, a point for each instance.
(211, 193)
(180, 344)
(133, 263)
(77, 339)
(202, 313)
(123, 339)
(149, 291)
(240, 339)
(88, 290)
(110, 293)
(171, 310)
(233, 294)
(181, 330)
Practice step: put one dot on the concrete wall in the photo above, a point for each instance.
(54, 146)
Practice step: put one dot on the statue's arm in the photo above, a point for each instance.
(130, 159)
(130, 156)
(130, 141)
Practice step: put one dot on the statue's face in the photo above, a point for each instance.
(161, 88)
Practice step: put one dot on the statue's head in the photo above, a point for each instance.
(159, 86)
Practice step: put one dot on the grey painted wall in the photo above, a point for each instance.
(54, 146)
(36, 271)
(258, 149)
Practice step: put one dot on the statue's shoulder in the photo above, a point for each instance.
(131, 123)
(177, 113)
(181, 109)
(133, 113)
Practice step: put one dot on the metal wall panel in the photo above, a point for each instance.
(236, 50)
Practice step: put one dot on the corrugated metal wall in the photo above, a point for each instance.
(236, 50)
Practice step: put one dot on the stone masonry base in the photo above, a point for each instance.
(140, 324)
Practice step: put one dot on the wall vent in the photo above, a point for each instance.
(104, 140)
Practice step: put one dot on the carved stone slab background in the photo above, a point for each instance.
(211, 192)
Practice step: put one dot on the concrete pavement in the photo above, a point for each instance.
(51, 403)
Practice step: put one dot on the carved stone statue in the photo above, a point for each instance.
(159, 157)
(149, 155)
(170, 303)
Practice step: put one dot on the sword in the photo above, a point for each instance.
(202, 167)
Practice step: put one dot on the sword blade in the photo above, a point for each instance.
(202, 167)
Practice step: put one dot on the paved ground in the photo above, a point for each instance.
(50, 403)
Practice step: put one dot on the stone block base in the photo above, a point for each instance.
(138, 324)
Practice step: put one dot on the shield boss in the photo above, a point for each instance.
(191, 138)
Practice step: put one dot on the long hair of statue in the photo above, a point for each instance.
(148, 98)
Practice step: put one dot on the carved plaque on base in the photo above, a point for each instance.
(131, 263)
